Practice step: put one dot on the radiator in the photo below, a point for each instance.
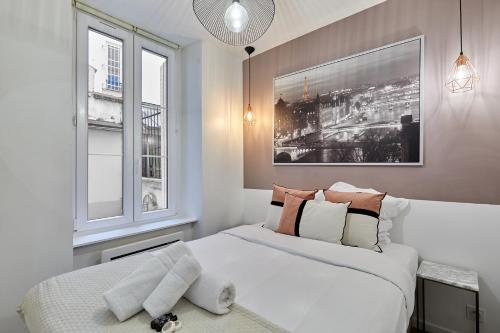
(147, 245)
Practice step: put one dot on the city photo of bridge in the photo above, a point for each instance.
(363, 109)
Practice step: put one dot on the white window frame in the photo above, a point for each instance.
(119, 67)
(132, 130)
(140, 44)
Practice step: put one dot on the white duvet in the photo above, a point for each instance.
(298, 284)
(305, 285)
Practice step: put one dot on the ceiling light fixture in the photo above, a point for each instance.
(236, 17)
(235, 22)
(463, 75)
(249, 116)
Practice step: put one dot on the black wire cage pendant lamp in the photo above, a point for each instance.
(235, 22)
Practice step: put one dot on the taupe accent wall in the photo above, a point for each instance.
(461, 132)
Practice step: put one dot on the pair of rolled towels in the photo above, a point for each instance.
(162, 280)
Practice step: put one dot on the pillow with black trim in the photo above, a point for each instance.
(362, 224)
(391, 208)
(323, 220)
(277, 201)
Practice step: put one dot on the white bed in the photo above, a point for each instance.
(298, 284)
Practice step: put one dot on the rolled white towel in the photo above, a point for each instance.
(172, 287)
(173, 253)
(126, 297)
(212, 293)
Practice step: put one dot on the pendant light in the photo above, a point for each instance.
(235, 22)
(236, 17)
(249, 116)
(463, 76)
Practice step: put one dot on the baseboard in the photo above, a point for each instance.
(435, 328)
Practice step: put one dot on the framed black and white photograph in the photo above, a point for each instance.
(365, 109)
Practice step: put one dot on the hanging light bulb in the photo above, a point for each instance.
(463, 75)
(249, 116)
(236, 17)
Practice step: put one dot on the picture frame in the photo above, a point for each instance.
(312, 137)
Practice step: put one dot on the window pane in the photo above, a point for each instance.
(154, 132)
(105, 127)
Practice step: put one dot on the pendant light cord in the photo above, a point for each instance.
(461, 43)
(249, 50)
(249, 77)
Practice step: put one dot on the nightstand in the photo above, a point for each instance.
(450, 276)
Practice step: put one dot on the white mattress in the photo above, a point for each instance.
(298, 284)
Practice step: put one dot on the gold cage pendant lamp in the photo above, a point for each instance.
(249, 115)
(463, 76)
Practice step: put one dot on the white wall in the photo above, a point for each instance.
(453, 233)
(190, 127)
(457, 234)
(222, 140)
(36, 148)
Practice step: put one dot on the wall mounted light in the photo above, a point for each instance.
(249, 116)
(463, 76)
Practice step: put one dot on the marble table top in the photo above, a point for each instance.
(450, 275)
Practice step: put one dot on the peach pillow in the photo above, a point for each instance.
(277, 201)
(324, 220)
(362, 224)
(279, 192)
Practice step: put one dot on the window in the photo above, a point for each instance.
(113, 82)
(154, 126)
(153, 131)
(125, 132)
(104, 135)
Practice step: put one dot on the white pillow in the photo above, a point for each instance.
(391, 206)
(319, 196)
(273, 217)
(384, 238)
(323, 221)
(384, 226)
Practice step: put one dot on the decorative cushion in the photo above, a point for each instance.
(279, 192)
(391, 206)
(323, 221)
(362, 224)
(277, 201)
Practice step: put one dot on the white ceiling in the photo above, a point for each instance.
(176, 21)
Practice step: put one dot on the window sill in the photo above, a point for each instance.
(81, 239)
